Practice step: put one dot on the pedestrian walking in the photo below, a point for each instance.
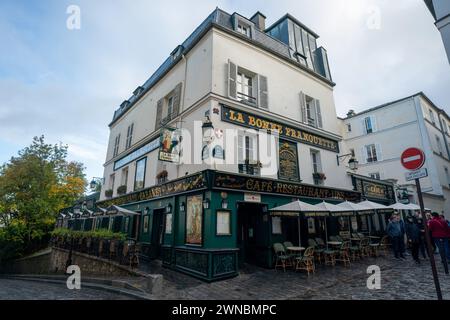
(440, 232)
(413, 235)
(422, 241)
(394, 231)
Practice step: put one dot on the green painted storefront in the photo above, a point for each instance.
(241, 200)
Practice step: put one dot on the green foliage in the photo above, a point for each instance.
(99, 234)
(34, 186)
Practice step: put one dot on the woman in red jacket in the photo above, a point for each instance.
(440, 231)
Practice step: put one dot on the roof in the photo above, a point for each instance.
(430, 6)
(423, 95)
(288, 16)
(223, 21)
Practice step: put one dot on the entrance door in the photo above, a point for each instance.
(157, 232)
(252, 234)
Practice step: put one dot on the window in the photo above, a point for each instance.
(140, 174)
(129, 136)
(447, 176)
(439, 145)
(245, 89)
(124, 177)
(310, 111)
(167, 110)
(368, 125)
(349, 127)
(112, 179)
(116, 145)
(432, 116)
(371, 153)
(316, 161)
(223, 225)
(248, 154)
(244, 29)
(375, 175)
(444, 126)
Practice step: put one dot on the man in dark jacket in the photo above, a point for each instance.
(395, 232)
(422, 241)
(413, 235)
(440, 231)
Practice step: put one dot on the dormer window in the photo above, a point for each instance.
(124, 104)
(176, 52)
(138, 91)
(244, 29)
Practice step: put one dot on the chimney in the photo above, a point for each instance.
(260, 20)
(350, 113)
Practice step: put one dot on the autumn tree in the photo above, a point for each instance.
(34, 186)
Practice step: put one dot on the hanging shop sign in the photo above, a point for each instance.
(374, 190)
(149, 147)
(222, 180)
(169, 145)
(291, 133)
(218, 152)
(288, 161)
(186, 184)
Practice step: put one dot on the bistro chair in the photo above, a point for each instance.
(343, 253)
(374, 247)
(306, 262)
(356, 250)
(365, 247)
(292, 255)
(384, 245)
(329, 255)
(318, 251)
(334, 238)
(282, 259)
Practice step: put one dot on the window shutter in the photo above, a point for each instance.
(318, 114)
(363, 155)
(241, 148)
(379, 154)
(363, 124)
(232, 77)
(159, 111)
(303, 108)
(319, 162)
(263, 98)
(176, 101)
(373, 120)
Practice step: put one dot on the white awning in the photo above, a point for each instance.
(373, 205)
(399, 206)
(334, 209)
(113, 210)
(294, 209)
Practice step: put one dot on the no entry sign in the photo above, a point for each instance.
(412, 158)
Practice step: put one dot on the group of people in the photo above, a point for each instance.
(414, 230)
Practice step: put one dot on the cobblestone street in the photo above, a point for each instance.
(32, 290)
(399, 280)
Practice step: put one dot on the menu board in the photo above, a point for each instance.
(288, 161)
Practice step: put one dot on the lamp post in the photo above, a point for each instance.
(95, 182)
(352, 162)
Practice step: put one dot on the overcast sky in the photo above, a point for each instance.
(66, 84)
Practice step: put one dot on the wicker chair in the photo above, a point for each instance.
(282, 259)
(306, 262)
(374, 247)
(292, 255)
(365, 248)
(318, 250)
(356, 250)
(329, 255)
(344, 253)
(384, 245)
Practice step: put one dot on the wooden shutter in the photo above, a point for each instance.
(363, 155)
(176, 101)
(159, 111)
(303, 108)
(263, 99)
(318, 114)
(363, 126)
(232, 77)
(241, 146)
(379, 153)
(373, 121)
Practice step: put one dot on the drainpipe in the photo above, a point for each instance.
(443, 134)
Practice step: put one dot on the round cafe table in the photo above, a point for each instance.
(334, 243)
(295, 249)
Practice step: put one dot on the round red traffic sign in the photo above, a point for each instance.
(412, 159)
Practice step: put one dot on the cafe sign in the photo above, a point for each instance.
(291, 133)
(169, 145)
(269, 186)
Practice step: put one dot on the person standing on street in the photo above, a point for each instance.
(413, 235)
(440, 232)
(422, 241)
(394, 231)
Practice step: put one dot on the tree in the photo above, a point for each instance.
(34, 186)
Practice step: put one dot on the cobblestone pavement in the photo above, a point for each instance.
(12, 289)
(399, 280)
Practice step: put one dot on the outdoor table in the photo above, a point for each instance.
(335, 243)
(296, 249)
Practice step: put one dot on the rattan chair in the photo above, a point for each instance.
(306, 262)
(384, 245)
(343, 254)
(282, 259)
(318, 250)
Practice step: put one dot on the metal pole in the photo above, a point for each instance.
(326, 231)
(299, 236)
(427, 237)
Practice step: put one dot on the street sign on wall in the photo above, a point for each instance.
(412, 159)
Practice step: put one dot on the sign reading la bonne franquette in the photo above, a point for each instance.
(291, 133)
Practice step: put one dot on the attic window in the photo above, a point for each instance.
(177, 52)
(138, 90)
(244, 29)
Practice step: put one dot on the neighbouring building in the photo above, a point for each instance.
(377, 137)
(440, 9)
(187, 149)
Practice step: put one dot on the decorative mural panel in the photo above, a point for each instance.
(288, 161)
(194, 215)
(196, 261)
(224, 263)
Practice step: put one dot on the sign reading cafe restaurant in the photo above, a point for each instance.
(287, 132)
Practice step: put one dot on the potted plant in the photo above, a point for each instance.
(121, 190)
(108, 193)
(319, 176)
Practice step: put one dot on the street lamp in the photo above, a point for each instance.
(94, 182)
(352, 163)
(207, 130)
